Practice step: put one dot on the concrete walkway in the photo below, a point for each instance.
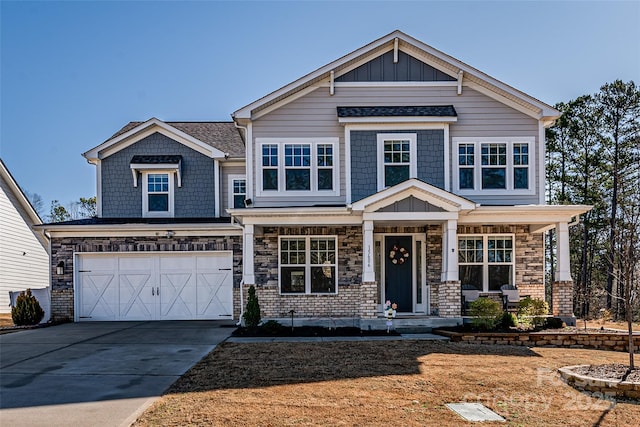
(96, 373)
(402, 337)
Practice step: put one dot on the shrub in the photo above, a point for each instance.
(554, 323)
(531, 311)
(486, 313)
(272, 327)
(27, 310)
(251, 315)
(508, 320)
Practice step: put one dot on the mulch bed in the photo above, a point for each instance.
(613, 371)
(310, 331)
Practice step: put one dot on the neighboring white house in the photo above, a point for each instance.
(24, 260)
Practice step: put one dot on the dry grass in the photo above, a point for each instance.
(5, 320)
(403, 383)
(607, 324)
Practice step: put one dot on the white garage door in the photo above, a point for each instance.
(154, 286)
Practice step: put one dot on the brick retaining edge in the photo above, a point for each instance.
(599, 341)
(606, 389)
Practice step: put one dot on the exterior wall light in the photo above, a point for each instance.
(60, 268)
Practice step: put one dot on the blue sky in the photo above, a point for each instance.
(73, 73)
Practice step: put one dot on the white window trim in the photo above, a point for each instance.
(485, 258)
(413, 145)
(233, 178)
(307, 265)
(145, 194)
(281, 142)
(477, 167)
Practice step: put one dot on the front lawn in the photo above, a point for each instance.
(402, 383)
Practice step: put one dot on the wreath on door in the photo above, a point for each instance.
(398, 254)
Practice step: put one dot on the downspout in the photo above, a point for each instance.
(46, 233)
(246, 134)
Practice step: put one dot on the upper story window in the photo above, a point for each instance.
(486, 261)
(298, 165)
(308, 265)
(494, 165)
(396, 158)
(157, 195)
(237, 191)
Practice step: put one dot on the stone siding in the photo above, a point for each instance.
(63, 249)
(600, 341)
(529, 254)
(562, 298)
(346, 303)
(449, 299)
(351, 296)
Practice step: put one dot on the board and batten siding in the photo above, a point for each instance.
(24, 262)
(315, 115)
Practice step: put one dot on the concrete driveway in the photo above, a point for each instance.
(97, 373)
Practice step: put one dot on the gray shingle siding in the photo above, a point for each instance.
(364, 166)
(196, 197)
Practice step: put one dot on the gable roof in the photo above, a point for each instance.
(427, 54)
(32, 216)
(414, 188)
(215, 139)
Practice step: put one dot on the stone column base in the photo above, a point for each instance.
(562, 299)
(449, 303)
(368, 306)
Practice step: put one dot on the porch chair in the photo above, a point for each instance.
(469, 293)
(510, 298)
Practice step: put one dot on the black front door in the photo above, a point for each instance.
(399, 272)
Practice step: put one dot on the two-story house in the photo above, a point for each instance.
(393, 173)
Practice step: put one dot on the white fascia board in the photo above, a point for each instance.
(525, 214)
(142, 131)
(142, 230)
(535, 114)
(245, 112)
(420, 190)
(285, 101)
(371, 49)
(398, 119)
(19, 195)
(409, 216)
(469, 70)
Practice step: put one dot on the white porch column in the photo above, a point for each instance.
(450, 251)
(248, 272)
(563, 269)
(368, 273)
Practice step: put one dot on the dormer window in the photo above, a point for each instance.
(158, 176)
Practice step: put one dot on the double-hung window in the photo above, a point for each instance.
(396, 158)
(237, 191)
(486, 261)
(308, 265)
(494, 165)
(157, 198)
(294, 165)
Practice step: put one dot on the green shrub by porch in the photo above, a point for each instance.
(486, 313)
(27, 310)
(251, 315)
(532, 311)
